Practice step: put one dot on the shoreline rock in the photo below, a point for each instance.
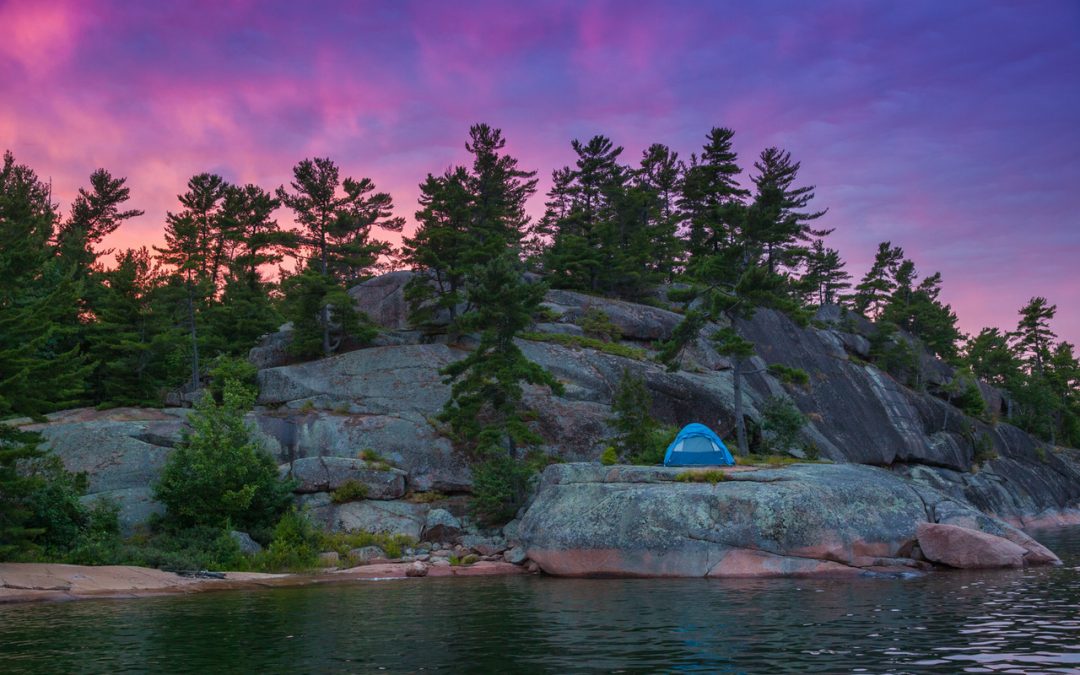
(53, 582)
(800, 520)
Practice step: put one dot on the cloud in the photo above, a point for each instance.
(948, 129)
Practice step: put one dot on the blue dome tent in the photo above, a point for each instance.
(697, 445)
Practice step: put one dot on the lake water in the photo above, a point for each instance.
(1010, 621)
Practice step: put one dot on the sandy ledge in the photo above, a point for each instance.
(35, 582)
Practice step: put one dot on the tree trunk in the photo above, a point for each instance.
(326, 347)
(740, 426)
(194, 341)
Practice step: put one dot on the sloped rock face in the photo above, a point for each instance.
(122, 451)
(636, 322)
(804, 519)
(382, 398)
(326, 474)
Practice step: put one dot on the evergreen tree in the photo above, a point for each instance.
(196, 245)
(40, 368)
(468, 217)
(918, 310)
(485, 411)
(121, 339)
(585, 240)
(875, 289)
(95, 214)
(992, 359)
(712, 198)
(658, 179)
(825, 278)
(16, 487)
(777, 220)
(634, 425)
(337, 216)
(1033, 337)
(442, 251)
(219, 475)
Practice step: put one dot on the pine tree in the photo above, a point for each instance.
(777, 220)
(825, 278)
(485, 411)
(1033, 337)
(659, 178)
(337, 216)
(121, 339)
(992, 359)
(875, 289)
(635, 426)
(712, 198)
(467, 217)
(219, 475)
(196, 246)
(442, 250)
(16, 448)
(40, 368)
(584, 237)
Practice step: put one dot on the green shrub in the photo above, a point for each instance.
(653, 453)
(597, 324)
(426, 497)
(581, 342)
(219, 474)
(225, 368)
(811, 451)
(343, 542)
(500, 484)
(293, 547)
(781, 421)
(632, 420)
(369, 455)
(713, 476)
(790, 375)
(984, 449)
(351, 490)
(609, 456)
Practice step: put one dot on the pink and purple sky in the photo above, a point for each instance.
(949, 128)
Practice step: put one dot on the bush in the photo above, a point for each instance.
(713, 476)
(350, 491)
(632, 420)
(597, 324)
(653, 452)
(343, 542)
(219, 475)
(225, 368)
(781, 421)
(790, 375)
(609, 456)
(500, 484)
(580, 342)
(984, 449)
(293, 547)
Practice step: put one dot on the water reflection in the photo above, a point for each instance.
(987, 622)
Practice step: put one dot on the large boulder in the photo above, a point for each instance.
(804, 519)
(388, 517)
(383, 299)
(441, 525)
(967, 549)
(636, 322)
(326, 474)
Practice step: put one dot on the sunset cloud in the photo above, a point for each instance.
(947, 128)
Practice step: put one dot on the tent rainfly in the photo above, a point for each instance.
(697, 445)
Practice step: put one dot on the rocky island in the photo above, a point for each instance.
(903, 485)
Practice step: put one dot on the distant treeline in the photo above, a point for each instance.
(75, 331)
